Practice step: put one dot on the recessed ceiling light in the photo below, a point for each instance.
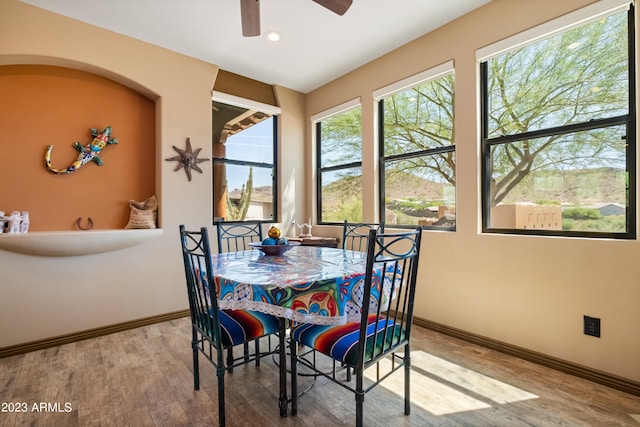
(273, 36)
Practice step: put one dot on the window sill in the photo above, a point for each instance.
(75, 243)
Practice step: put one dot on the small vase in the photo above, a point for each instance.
(24, 222)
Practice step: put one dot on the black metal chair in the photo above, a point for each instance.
(214, 331)
(384, 330)
(355, 235)
(234, 237)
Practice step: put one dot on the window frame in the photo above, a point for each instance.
(274, 113)
(317, 122)
(569, 22)
(380, 95)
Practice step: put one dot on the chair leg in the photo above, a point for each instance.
(221, 412)
(294, 377)
(359, 409)
(230, 359)
(257, 352)
(282, 350)
(359, 397)
(407, 382)
(196, 366)
(246, 352)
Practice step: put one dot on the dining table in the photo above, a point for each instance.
(306, 284)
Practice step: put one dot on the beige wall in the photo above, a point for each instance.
(42, 297)
(530, 292)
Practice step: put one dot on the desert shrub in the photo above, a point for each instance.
(581, 213)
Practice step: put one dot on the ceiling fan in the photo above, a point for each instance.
(250, 12)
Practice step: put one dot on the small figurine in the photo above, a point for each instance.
(304, 230)
(24, 222)
(14, 222)
(2, 221)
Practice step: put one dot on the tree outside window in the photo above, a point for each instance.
(339, 142)
(559, 134)
(417, 149)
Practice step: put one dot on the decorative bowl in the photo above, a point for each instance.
(274, 249)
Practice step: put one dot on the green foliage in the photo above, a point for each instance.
(418, 119)
(581, 213)
(341, 138)
(413, 204)
(351, 210)
(570, 78)
(607, 224)
(404, 219)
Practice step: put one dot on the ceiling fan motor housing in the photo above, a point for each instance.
(250, 13)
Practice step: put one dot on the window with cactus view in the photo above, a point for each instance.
(243, 164)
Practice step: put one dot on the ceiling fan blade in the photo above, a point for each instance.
(336, 6)
(250, 13)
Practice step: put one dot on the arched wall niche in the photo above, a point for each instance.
(53, 101)
(79, 66)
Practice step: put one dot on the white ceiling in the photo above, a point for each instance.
(316, 45)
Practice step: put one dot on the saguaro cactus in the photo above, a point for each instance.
(238, 211)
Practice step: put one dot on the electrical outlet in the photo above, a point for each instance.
(592, 326)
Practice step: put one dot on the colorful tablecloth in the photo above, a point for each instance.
(307, 284)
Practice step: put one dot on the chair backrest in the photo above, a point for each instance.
(397, 255)
(201, 289)
(236, 236)
(355, 235)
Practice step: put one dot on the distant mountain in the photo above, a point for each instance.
(258, 194)
(605, 185)
(403, 185)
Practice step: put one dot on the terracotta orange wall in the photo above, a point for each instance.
(47, 105)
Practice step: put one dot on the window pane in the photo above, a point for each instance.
(421, 190)
(243, 168)
(341, 138)
(252, 185)
(572, 176)
(572, 182)
(419, 179)
(340, 148)
(573, 77)
(254, 144)
(342, 195)
(419, 118)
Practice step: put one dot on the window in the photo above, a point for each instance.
(339, 160)
(244, 167)
(558, 131)
(417, 151)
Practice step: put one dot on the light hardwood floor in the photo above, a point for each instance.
(143, 377)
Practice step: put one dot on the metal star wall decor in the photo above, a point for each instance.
(187, 158)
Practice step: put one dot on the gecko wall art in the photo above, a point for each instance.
(88, 153)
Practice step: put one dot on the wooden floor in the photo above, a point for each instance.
(143, 377)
